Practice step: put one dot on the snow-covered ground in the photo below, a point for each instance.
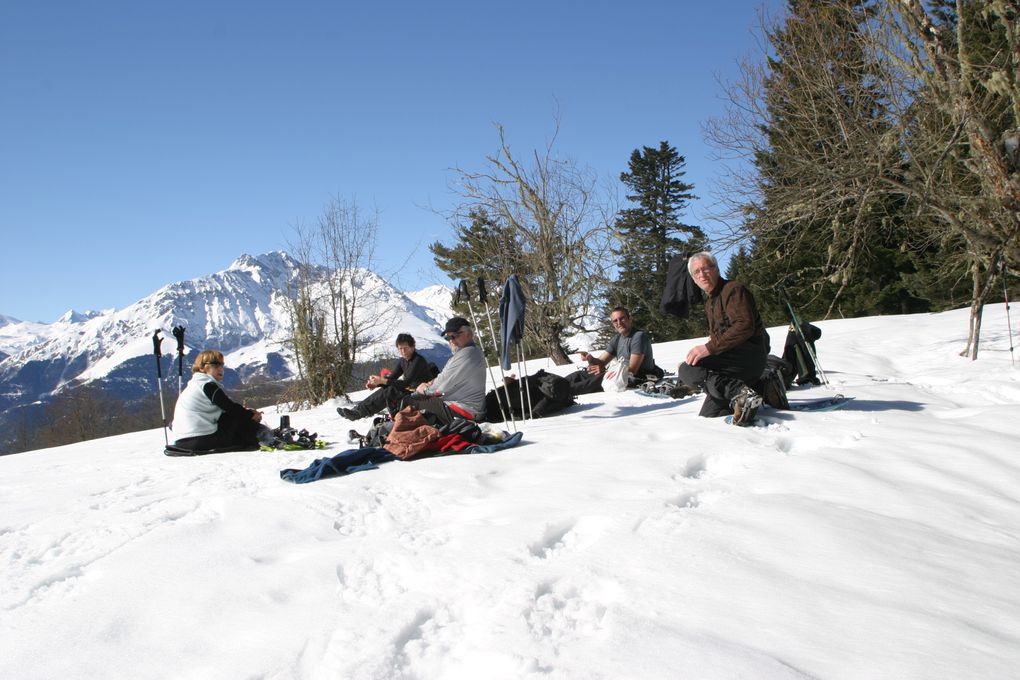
(626, 538)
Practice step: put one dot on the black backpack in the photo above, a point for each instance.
(549, 394)
(773, 383)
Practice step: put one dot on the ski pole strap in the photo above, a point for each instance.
(482, 295)
(179, 334)
(156, 351)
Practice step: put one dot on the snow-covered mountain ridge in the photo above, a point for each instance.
(241, 310)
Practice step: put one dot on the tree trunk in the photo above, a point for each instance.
(982, 289)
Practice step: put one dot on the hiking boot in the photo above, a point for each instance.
(745, 406)
(680, 390)
(348, 413)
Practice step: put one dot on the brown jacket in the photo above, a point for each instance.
(733, 317)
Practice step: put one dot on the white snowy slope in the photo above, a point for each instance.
(625, 538)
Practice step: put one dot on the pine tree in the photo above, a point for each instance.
(826, 226)
(650, 234)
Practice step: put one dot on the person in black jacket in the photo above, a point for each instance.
(411, 370)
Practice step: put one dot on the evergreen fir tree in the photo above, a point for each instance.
(649, 235)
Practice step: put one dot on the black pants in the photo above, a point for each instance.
(239, 434)
(722, 376)
(385, 398)
(392, 399)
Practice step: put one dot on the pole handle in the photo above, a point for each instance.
(178, 332)
(462, 289)
(158, 353)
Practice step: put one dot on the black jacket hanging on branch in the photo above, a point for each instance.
(680, 291)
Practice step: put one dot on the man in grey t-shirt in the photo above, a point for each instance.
(632, 344)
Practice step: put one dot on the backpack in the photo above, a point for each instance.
(410, 435)
(772, 386)
(784, 367)
(796, 352)
(549, 394)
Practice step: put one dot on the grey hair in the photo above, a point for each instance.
(703, 255)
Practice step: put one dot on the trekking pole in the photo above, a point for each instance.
(483, 297)
(463, 288)
(179, 334)
(159, 381)
(804, 341)
(1009, 324)
(523, 368)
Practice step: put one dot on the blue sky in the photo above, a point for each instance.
(145, 143)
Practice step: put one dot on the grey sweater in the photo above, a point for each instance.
(462, 380)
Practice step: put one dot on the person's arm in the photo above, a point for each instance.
(596, 364)
(219, 398)
(449, 376)
(417, 372)
(640, 345)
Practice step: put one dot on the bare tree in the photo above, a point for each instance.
(918, 129)
(958, 69)
(334, 310)
(559, 221)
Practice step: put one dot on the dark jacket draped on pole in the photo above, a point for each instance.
(680, 291)
(511, 318)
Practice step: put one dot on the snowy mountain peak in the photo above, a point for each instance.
(243, 311)
(71, 316)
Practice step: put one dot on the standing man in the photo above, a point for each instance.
(411, 370)
(733, 359)
(632, 344)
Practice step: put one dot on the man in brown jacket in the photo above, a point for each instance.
(733, 359)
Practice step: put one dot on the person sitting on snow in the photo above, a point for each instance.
(734, 357)
(205, 418)
(634, 345)
(411, 370)
(459, 390)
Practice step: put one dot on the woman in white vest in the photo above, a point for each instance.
(205, 418)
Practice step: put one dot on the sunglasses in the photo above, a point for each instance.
(451, 336)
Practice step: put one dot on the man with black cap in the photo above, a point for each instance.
(458, 390)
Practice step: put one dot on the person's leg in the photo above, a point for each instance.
(583, 382)
(723, 376)
(429, 404)
(208, 442)
(240, 431)
(384, 398)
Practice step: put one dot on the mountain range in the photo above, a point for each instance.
(242, 311)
